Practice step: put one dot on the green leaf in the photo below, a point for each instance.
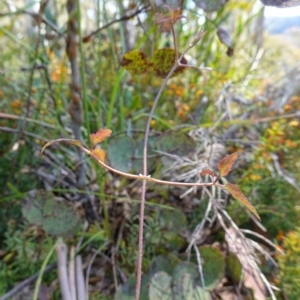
(32, 207)
(165, 263)
(238, 195)
(213, 266)
(61, 219)
(135, 62)
(56, 217)
(163, 61)
(160, 286)
(120, 151)
(225, 165)
(234, 267)
(186, 284)
(126, 291)
(175, 142)
(126, 154)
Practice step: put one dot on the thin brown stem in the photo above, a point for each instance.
(143, 196)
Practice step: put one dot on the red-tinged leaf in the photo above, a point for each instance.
(235, 191)
(68, 141)
(100, 136)
(225, 164)
(208, 172)
(99, 154)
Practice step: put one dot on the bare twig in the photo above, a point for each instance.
(143, 196)
(199, 260)
(263, 238)
(124, 18)
(280, 172)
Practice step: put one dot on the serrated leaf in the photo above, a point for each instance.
(99, 154)
(163, 61)
(225, 164)
(207, 172)
(135, 62)
(100, 136)
(235, 191)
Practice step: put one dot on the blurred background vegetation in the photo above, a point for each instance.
(249, 103)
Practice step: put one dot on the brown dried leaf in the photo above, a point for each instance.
(225, 165)
(166, 22)
(100, 136)
(99, 154)
(235, 191)
(207, 172)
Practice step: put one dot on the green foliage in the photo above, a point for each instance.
(56, 217)
(189, 102)
(176, 143)
(25, 252)
(163, 60)
(172, 278)
(126, 154)
(160, 286)
(135, 62)
(213, 266)
(289, 265)
(234, 267)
